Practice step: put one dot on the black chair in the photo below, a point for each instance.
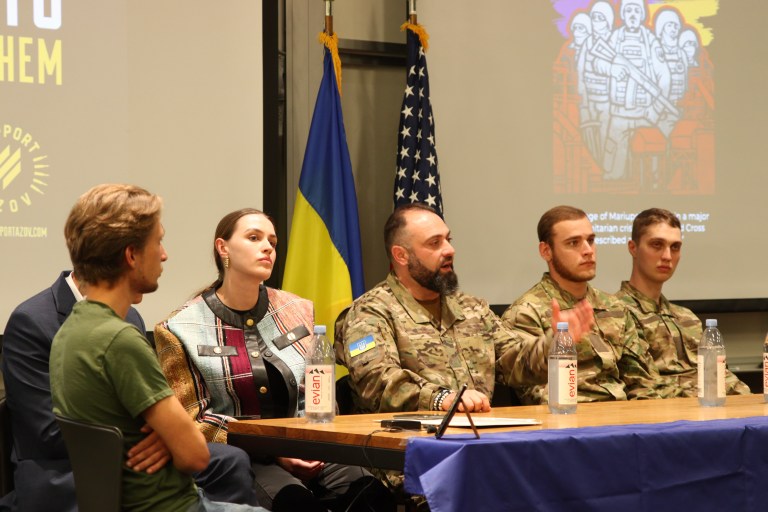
(504, 396)
(6, 439)
(96, 454)
(6, 447)
(344, 396)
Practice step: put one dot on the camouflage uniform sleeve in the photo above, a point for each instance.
(379, 381)
(637, 369)
(521, 360)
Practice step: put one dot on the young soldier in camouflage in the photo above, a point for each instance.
(672, 332)
(613, 361)
(413, 340)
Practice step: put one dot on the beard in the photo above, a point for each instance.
(433, 280)
(566, 273)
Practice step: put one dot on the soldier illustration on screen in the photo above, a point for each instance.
(689, 42)
(594, 119)
(624, 89)
(639, 84)
(667, 27)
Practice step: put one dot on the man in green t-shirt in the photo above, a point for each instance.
(102, 368)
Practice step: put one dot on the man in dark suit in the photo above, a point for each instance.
(43, 476)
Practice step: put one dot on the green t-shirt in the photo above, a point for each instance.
(103, 370)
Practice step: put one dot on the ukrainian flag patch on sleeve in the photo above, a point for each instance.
(362, 345)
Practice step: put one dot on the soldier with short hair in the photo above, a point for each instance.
(671, 332)
(414, 339)
(613, 361)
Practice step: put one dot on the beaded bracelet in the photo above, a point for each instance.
(437, 404)
(436, 400)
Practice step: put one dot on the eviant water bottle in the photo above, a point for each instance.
(320, 379)
(711, 359)
(563, 372)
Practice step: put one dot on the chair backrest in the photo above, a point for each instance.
(344, 396)
(6, 447)
(6, 437)
(96, 455)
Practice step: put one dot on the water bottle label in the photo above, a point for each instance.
(721, 376)
(319, 382)
(568, 382)
(765, 372)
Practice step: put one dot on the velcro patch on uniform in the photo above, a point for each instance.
(362, 345)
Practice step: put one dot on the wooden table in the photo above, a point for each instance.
(358, 439)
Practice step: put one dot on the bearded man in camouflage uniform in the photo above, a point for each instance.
(614, 363)
(413, 340)
(672, 332)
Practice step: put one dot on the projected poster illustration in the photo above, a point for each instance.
(634, 103)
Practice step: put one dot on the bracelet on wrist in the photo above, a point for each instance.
(440, 398)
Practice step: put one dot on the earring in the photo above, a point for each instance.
(225, 260)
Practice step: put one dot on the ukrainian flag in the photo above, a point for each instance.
(324, 261)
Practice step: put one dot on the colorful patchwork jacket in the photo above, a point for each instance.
(223, 364)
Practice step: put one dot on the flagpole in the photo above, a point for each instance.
(329, 17)
(417, 179)
(324, 263)
(412, 12)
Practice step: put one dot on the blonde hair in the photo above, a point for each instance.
(105, 221)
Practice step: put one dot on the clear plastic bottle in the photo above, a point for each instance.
(563, 372)
(765, 369)
(711, 366)
(319, 379)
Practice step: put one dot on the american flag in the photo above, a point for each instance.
(416, 178)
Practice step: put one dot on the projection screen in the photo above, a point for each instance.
(610, 106)
(166, 95)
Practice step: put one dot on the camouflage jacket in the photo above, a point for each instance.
(613, 365)
(672, 333)
(399, 358)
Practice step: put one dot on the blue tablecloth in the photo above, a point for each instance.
(719, 465)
